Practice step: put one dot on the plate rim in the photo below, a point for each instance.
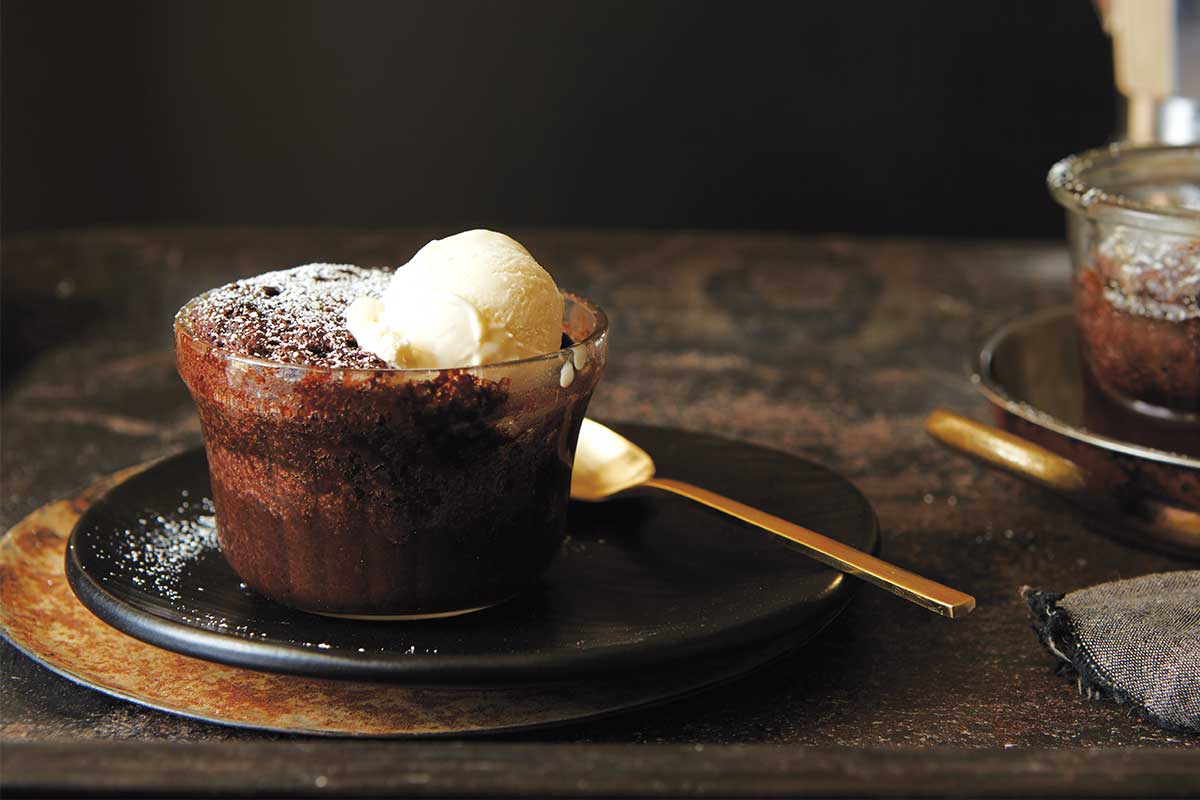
(716, 671)
(504, 669)
(983, 378)
(745, 662)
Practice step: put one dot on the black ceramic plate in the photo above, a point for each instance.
(640, 581)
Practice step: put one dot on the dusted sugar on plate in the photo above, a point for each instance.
(393, 444)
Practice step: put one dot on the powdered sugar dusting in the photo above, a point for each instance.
(1151, 275)
(296, 316)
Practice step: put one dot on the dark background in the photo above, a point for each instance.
(914, 117)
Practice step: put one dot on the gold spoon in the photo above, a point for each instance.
(607, 463)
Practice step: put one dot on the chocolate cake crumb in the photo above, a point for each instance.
(295, 316)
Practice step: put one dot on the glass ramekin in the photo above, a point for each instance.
(1133, 230)
(392, 493)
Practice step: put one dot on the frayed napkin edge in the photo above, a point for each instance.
(1053, 627)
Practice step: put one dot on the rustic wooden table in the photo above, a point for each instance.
(832, 348)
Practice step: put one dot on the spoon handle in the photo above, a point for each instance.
(912, 587)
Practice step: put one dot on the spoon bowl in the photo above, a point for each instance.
(607, 463)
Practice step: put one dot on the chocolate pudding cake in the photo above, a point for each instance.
(1133, 230)
(346, 486)
(1138, 317)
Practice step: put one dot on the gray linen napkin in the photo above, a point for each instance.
(1137, 641)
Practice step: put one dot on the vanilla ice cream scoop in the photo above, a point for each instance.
(477, 297)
